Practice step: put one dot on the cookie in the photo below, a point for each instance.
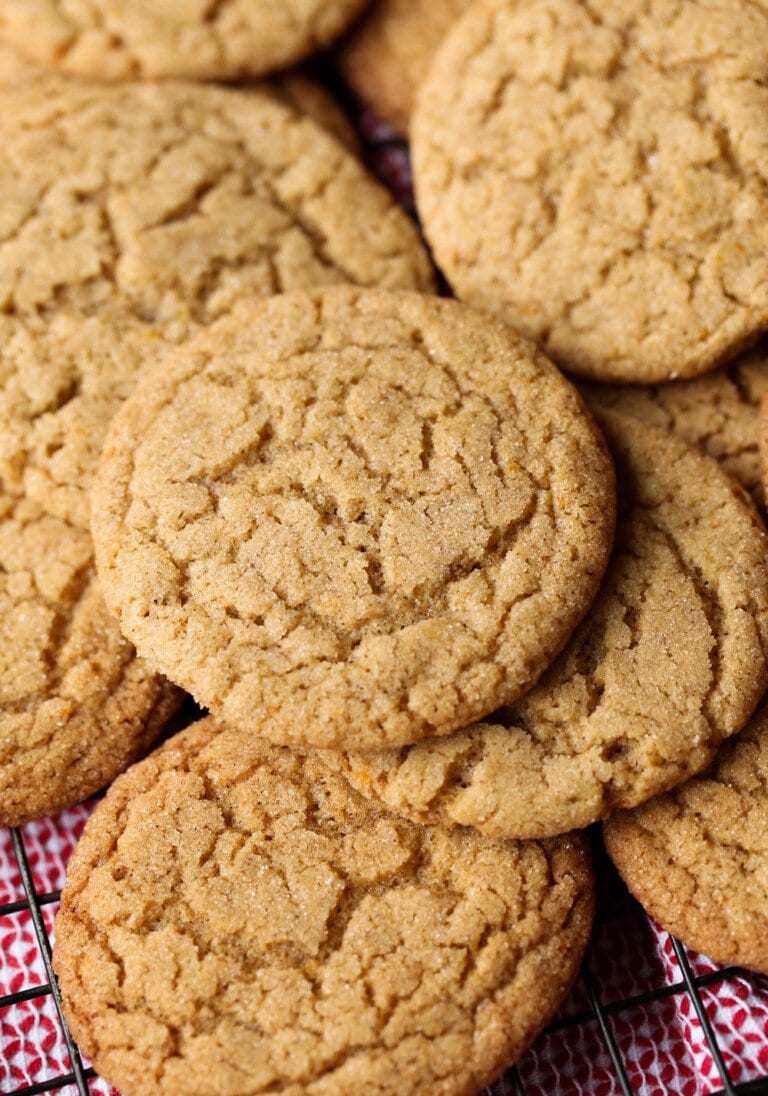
(104, 40)
(670, 660)
(697, 858)
(180, 201)
(77, 707)
(595, 176)
(308, 96)
(717, 413)
(115, 247)
(237, 920)
(388, 51)
(352, 517)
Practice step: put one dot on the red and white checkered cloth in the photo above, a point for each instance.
(661, 1041)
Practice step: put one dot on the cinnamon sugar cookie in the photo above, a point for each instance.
(237, 920)
(717, 413)
(76, 706)
(352, 517)
(697, 858)
(670, 660)
(596, 175)
(104, 40)
(130, 217)
(150, 210)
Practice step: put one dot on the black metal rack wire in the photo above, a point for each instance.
(599, 1012)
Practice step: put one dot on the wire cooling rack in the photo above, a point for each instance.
(597, 1020)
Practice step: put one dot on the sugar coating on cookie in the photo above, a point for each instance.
(596, 174)
(237, 920)
(387, 53)
(717, 413)
(131, 216)
(697, 858)
(353, 517)
(205, 39)
(151, 210)
(670, 660)
(77, 706)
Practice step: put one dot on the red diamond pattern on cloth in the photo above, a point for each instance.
(661, 1041)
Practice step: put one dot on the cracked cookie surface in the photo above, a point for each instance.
(697, 858)
(670, 660)
(596, 172)
(387, 53)
(181, 201)
(352, 517)
(76, 706)
(204, 39)
(237, 920)
(717, 413)
(115, 246)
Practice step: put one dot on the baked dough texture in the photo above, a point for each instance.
(77, 706)
(717, 413)
(352, 517)
(697, 858)
(153, 209)
(387, 53)
(237, 920)
(204, 39)
(130, 217)
(670, 660)
(596, 174)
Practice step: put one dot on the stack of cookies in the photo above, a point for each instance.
(444, 610)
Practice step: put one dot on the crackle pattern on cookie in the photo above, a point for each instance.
(717, 413)
(205, 39)
(387, 53)
(670, 661)
(697, 858)
(237, 920)
(596, 174)
(179, 201)
(77, 705)
(354, 517)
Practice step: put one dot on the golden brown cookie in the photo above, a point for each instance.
(670, 660)
(308, 96)
(237, 920)
(177, 202)
(130, 217)
(717, 413)
(104, 40)
(353, 518)
(697, 858)
(213, 195)
(387, 53)
(596, 175)
(76, 706)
